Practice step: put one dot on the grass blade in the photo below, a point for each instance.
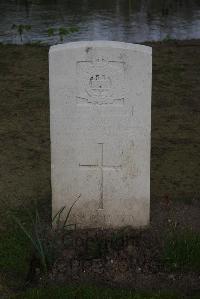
(69, 212)
(25, 232)
(58, 213)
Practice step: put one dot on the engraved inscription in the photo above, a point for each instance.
(100, 82)
(84, 102)
(101, 166)
(99, 85)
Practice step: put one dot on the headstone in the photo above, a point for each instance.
(100, 116)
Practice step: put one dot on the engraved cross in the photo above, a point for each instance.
(101, 166)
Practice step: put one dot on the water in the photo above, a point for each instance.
(122, 20)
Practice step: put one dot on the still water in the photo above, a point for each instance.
(122, 20)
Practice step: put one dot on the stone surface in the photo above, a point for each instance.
(100, 116)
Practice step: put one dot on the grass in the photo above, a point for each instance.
(182, 251)
(15, 253)
(25, 151)
(12, 254)
(26, 235)
(16, 249)
(24, 122)
(175, 124)
(45, 237)
(84, 292)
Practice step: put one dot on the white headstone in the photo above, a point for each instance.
(100, 115)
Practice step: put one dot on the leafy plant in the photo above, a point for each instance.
(44, 238)
(61, 32)
(21, 28)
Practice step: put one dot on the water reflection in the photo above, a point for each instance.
(123, 20)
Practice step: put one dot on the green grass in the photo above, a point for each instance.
(15, 255)
(15, 252)
(15, 248)
(84, 292)
(182, 251)
(25, 155)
